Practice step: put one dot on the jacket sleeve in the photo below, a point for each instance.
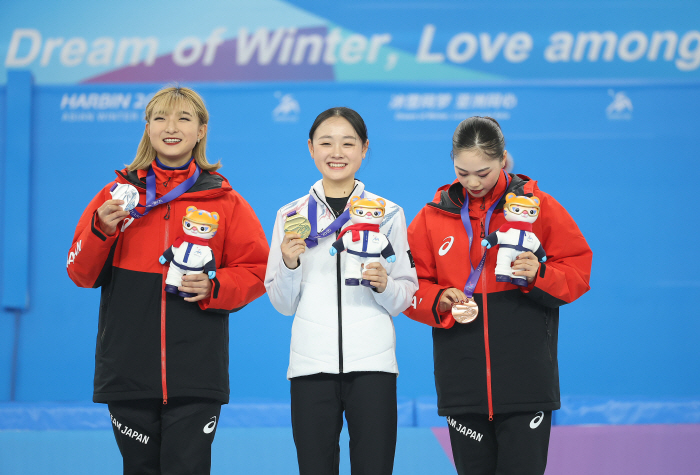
(565, 275)
(424, 306)
(283, 284)
(402, 281)
(239, 278)
(90, 254)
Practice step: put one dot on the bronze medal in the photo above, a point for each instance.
(297, 224)
(465, 312)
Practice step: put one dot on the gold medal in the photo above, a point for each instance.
(465, 312)
(297, 224)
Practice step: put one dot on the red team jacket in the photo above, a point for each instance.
(506, 360)
(152, 344)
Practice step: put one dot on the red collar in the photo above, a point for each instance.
(356, 228)
(515, 225)
(172, 177)
(191, 240)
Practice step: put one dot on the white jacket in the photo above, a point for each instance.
(366, 340)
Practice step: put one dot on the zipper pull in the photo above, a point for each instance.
(167, 214)
(483, 201)
(165, 183)
(481, 223)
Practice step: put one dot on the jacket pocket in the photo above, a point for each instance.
(547, 323)
(102, 325)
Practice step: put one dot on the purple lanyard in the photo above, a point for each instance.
(312, 240)
(152, 202)
(474, 274)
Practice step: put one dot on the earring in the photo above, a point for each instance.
(198, 140)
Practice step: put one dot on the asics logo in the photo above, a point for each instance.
(535, 423)
(446, 245)
(209, 428)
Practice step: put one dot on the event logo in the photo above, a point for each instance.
(103, 107)
(452, 106)
(621, 106)
(287, 110)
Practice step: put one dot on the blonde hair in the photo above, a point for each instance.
(166, 100)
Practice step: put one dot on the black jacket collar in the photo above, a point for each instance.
(205, 181)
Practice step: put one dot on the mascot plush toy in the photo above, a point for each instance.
(191, 254)
(516, 236)
(362, 240)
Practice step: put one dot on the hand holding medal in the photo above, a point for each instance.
(127, 193)
(296, 229)
(465, 311)
(124, 198)
(297, 224)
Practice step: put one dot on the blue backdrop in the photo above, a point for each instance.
(614, 140)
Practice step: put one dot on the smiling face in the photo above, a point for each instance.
(337, 152)
(477, 173)
(174, 133)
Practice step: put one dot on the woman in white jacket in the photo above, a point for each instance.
(342, 355)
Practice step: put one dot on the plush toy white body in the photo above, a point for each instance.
(516, 236)
(362, 240)
(190, 254)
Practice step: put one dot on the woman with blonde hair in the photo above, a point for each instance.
(161, 360)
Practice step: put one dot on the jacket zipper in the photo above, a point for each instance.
(340, 311)
(163, 378)
(338, 282)
(486, 334)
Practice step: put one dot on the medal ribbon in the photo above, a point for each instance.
(152, 202)
(312, 240)
(464, 213)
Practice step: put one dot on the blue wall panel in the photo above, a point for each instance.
(6, 318)
(632, 335)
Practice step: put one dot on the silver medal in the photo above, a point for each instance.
(127, 193)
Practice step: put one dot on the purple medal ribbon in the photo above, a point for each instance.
(464, 213)
(312, 240)
(152, 202)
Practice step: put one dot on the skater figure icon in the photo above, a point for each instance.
(515, 236)
(191, 254)
(363, 241)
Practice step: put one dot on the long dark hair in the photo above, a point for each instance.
(481, 133)
(346, 113)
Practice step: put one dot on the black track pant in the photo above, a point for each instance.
(169, 439)
(369, 402)
(515, 443)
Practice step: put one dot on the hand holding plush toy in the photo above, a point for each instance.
(515, 237)
(191, 254)
(363, 241)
